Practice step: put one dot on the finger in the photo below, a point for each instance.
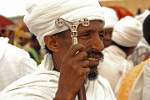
(81, 56)
(84, 71)
(76, 48)
(84, 64)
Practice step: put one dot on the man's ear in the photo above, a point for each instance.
(51, 43)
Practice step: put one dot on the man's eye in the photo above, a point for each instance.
(101, 34)
(85, 35)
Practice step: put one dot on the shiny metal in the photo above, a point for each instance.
(73, 26)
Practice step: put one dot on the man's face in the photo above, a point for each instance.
(90, 36)
(87, 35)
(107, 36)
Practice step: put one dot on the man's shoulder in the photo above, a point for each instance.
(34, 78)
(38, 83)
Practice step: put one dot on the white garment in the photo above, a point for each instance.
(110, 16)
(42, 85)
(114, 65)
(14, 63)
(140, 52)
(142, 16)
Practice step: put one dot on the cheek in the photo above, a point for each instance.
(86, 43)
(64, 45)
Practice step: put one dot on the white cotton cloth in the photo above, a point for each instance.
(140, 52)
(110, 17)
(127, 32)
(142, 16)
(42, 14)
(14, 63)
(114, 65)
(43, 84)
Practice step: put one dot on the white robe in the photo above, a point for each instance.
(14, 63)
(42, 85)
(114, 65)
(140, 52)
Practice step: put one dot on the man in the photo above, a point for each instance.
(143, 47)
(71, 36)
(14, 63)
(125, 37)
(110, 20)
(135, 85)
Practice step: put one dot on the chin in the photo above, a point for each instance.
(93, 73)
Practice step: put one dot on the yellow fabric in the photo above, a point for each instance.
(128, 81)
(21, 33)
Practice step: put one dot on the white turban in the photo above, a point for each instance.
(42, 14)
(142, 16)
(127, 32)
(110, 17)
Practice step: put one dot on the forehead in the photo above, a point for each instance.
(94, 25)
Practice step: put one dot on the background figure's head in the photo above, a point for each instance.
(6, 32)
(23, 36)
(146, 29)
(41, 20)
(127, 33)
(110, 20)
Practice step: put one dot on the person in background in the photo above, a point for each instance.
(139, 11)
(125, 37)
(6, 32)
(135, 85)
(69, 30)
(143, 47)
(27, 41)
(110, 20)
(22, 37)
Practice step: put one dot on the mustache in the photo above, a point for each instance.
(93, 53)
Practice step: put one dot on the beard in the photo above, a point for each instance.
(96, 56)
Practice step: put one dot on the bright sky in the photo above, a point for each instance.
(12, 8)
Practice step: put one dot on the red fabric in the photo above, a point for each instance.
(5, 21)
(121, 11)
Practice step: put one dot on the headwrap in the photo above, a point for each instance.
(142, 16)
(110, 17)
(41, 15)
(127, 32)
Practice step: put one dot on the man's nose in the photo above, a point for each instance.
(97, 43)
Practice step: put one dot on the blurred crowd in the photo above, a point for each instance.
(20, 36)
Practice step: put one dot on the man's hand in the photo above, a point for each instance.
(73, 72)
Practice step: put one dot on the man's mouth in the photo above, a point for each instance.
(95, 55)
